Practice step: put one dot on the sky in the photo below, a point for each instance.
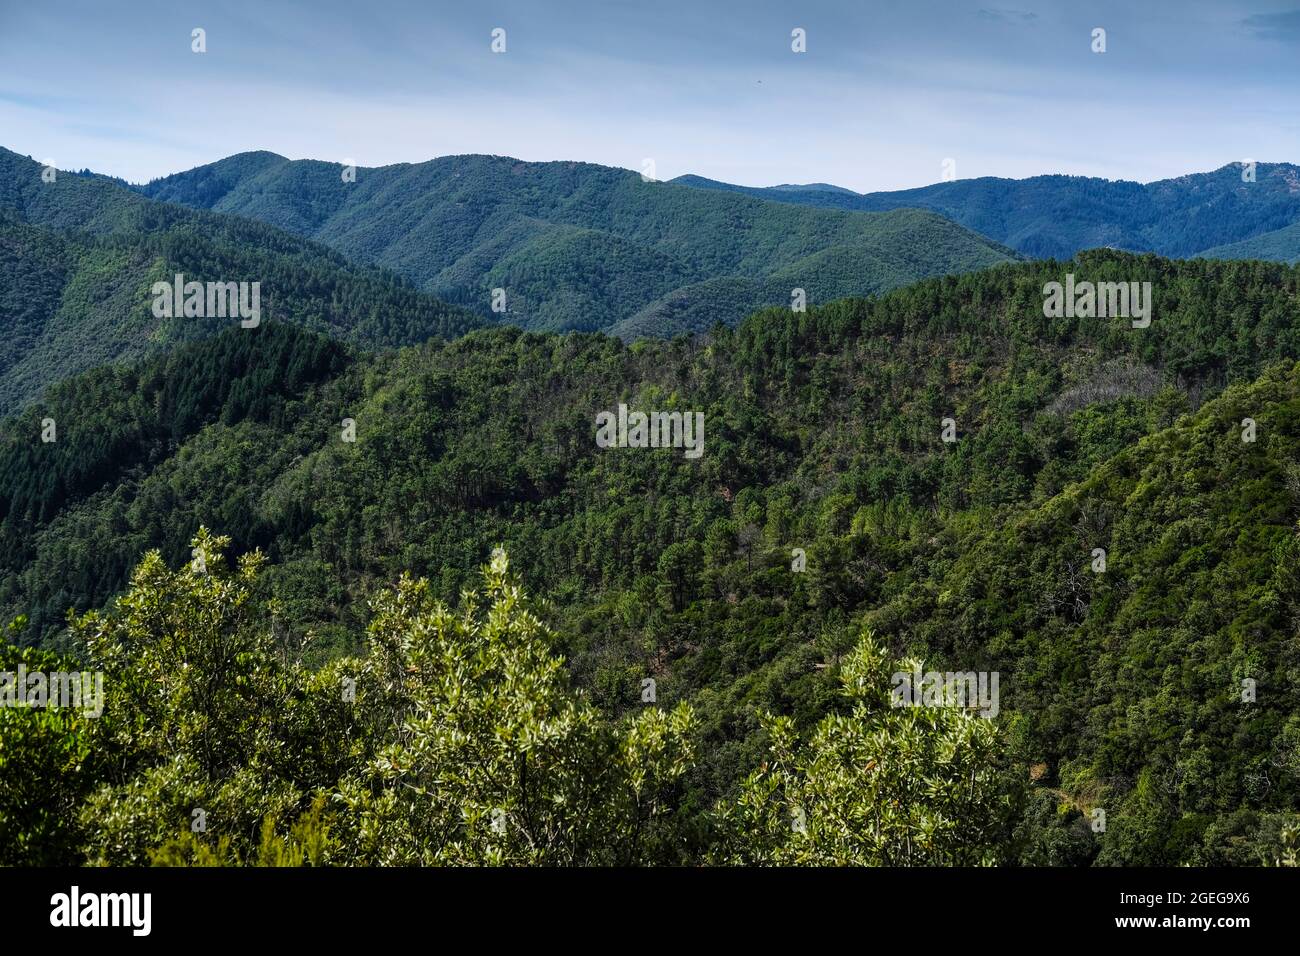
(883, 95)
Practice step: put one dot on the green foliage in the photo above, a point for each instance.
(79, 256)
(307, 843)
(1059, 216)
(198, 697)
(1280, 245)
(114, 419)
(877, 786)
(822, 433)
(454, 741)
(496, 761)
(582, 247)
(49, 760)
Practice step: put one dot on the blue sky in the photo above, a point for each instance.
(885, 92)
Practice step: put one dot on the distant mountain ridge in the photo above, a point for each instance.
(1280, 245)
(1056, 216)
(79, 256)
(815, 187)
(576, 246)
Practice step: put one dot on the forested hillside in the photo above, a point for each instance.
(1058, 216)
(577, 246)
(79, 256)
(1280, 245)
(1121, 687)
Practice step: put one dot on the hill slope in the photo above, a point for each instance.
(822, 432)
(1057, 216)
(79, 256)
(1280, 245)
(577, 246)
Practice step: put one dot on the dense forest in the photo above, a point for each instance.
(400, 607)
(1280, 245)
(580, 247)
(1234, 212)
(79, 255)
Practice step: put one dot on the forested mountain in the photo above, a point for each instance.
(581, 247)
(1121, 687)
(79, 256)
(1045, 216)
(1280, 245)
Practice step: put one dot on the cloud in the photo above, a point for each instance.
(1283, 27)
(881, 98)
(1008, 16)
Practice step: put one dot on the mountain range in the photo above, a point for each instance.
(410, 251)
(580, 247)
(1234, 212)
(1102, 514)
(79, 255)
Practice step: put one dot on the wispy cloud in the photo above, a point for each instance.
(1283, 27)
(1008, 16)
(884, 93)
